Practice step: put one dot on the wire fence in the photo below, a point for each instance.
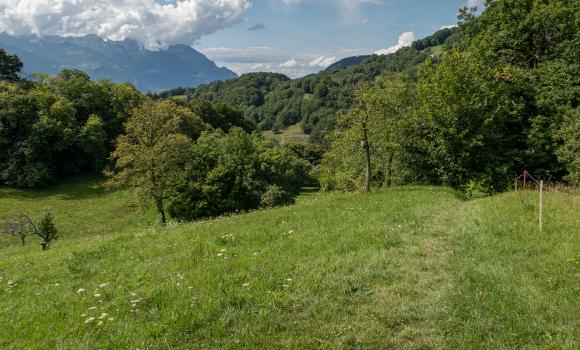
(528, 182)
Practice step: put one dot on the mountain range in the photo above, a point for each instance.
(120, 61)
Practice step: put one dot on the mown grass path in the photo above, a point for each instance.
(408, 268)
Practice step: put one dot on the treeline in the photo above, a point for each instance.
(503, 99)
(273, 101)
(191, 158)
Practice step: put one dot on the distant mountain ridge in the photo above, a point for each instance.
(349, 61)
(120, 61)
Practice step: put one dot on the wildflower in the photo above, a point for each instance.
(220, 254)
(81, 290)
(37, 293)
(290, 232)
(245, 284)
(93, 308)
(97, 295)
(285, 286)
(103, 315)
(90, 319)
(111, 318)
(100, 323)
(133, 305)
(56, 284)
(103, 285)
(289, 279)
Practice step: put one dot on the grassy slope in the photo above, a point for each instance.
(406, 268)
(80, 205)
(290, 134)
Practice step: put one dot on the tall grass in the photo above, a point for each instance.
(408, 268)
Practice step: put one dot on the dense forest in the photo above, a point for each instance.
(468, 107)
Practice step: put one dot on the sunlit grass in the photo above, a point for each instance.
(412, 267)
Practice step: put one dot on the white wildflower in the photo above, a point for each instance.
(245, 284)
(97, 295)
(103, 285)
(81, 290)
(100, 323)
(93, 308)
(90, 319)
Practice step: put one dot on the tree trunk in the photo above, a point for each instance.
(390, 170)
(161, 210)
(368, 159)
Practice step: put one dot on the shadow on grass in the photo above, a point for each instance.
(73, 188)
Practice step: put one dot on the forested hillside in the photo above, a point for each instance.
(502, 99)
(470, 107)
(273, 101)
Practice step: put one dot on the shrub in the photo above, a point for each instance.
(479, 187)
(275, 196)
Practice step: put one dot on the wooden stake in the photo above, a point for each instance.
(541, 204)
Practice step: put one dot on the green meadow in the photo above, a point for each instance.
(405, 268)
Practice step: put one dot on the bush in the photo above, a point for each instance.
(479, 187)
(236, 172)
(275, 196)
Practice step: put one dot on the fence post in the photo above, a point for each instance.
(541, 204)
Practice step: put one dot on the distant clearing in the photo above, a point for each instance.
(290, 134)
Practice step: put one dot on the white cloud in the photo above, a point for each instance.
(289, 64)
(451, 26)
(322, 61)
(154, 25)
(269, 59)
(405, 39)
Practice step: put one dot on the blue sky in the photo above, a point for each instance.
(273, 36)
(295, 37)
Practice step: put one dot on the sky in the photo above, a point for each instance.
(294, 37)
